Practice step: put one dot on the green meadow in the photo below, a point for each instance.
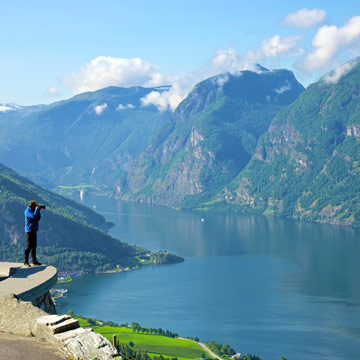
(154, 345)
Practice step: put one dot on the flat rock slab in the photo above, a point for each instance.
(71, 333)
(28, 284)
(51, 320)
(8, 268)
(66, 325)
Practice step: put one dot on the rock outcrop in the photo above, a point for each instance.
(22, 318)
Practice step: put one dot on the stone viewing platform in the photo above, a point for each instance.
(29, 283)
(25, 304)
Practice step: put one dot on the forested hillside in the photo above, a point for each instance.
(210, 138)
(307, 165)
(89, 139)
(70, 235)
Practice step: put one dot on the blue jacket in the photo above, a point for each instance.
(32, 219)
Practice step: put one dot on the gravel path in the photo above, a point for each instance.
(14, 347)
(209, 351)
(203, 346)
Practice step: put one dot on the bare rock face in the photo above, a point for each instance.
(74, 341)
(18, 317)
(90, 345)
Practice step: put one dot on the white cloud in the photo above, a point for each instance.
(123, 107)
(167, 99)
(53, 91)
(9, 107)
(109, 71)
(284, 88)
(106, 71)
(226, 60)
(99, 109)
(339, 71)
(277, 46)
(328, 41)
(223, 61)
(183, 84)
(229, 61)
(273, 47)
(4, 108)
(223, 79)
(305, 18)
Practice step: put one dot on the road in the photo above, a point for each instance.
(203, 346)
(209, 351)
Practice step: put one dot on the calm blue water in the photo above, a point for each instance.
(270, 287)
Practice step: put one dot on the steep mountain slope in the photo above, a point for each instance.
(307, 165)
(209, 139)
(70, 234)
(88, 139)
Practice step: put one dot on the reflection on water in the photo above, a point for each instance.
(265, 285)
(327, 255)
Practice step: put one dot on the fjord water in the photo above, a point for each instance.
(267, 286)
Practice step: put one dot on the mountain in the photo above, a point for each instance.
(70, 235)
(89, 139)
(209, 139)
(307, 164)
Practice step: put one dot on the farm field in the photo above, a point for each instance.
(154, 345)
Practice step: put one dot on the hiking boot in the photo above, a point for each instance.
(26, 263)
(36, 263)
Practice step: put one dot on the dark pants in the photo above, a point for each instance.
(31, 242)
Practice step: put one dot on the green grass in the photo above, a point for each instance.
(83, 322)
(153, 344)
(170, 357)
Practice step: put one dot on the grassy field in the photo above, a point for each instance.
(154, 345)
(152, 355)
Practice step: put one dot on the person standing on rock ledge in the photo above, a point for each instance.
(32, 218)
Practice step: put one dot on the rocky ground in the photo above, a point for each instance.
(14, 347)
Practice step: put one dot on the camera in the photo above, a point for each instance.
(42, 206)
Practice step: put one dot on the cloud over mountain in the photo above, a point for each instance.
(304, 18)
(225, 60)
(123, 107)
(329, 41)
(277, 46)
(105, 71)
(339, 71)
(99, 109)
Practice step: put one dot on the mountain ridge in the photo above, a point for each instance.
(305, 165)
(213, 126)
(101, 130)
(233, 142)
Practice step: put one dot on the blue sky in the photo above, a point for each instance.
(54, 49)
